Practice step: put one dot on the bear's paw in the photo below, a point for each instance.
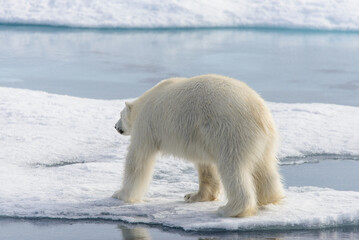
(122, 195)
(198, 197)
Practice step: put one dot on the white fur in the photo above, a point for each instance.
(221, 125)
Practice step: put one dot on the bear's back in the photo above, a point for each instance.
(219, 95)
(206, 87)
(205, 98)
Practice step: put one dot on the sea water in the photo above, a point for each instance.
(284, 66)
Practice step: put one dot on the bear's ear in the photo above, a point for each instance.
(128, 106)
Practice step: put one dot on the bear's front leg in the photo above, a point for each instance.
(138, 173)
(209, 184)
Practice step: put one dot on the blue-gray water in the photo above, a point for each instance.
(282, 65)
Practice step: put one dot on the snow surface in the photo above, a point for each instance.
(60, 157)
(315, 14)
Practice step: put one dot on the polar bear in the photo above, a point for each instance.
(218, 123)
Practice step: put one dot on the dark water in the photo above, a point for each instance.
(66, 230)
(282, 65)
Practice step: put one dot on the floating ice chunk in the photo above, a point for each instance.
(60, 157)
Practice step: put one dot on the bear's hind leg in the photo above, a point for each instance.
(269, 187)
(209, 184)
(237, 180)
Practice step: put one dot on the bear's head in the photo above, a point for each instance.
(124, 125)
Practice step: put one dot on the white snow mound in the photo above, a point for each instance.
(315, 14)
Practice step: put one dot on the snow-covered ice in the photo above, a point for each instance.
(314, 14)
(60, 157)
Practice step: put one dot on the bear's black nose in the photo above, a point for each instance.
(120, 131)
